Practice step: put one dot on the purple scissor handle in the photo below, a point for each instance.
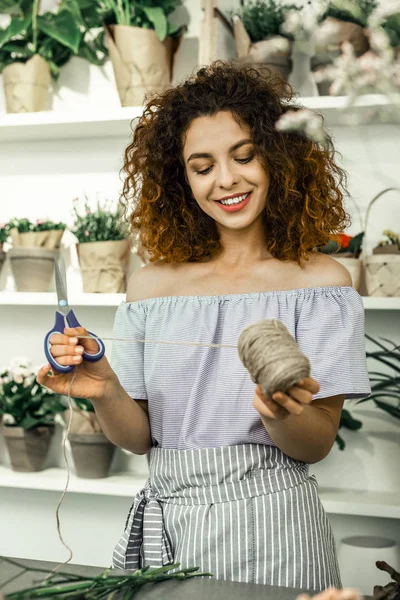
(65, 317)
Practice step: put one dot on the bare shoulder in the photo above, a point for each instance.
(322, 270)
(151, 281)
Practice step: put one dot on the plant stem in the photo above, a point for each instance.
(35, 12)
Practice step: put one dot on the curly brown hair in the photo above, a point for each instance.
(304, 208)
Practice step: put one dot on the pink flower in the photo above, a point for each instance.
(39, 221)
(87, 233)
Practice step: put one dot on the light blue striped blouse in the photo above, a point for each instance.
(202, 397)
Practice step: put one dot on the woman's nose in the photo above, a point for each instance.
(226, 177)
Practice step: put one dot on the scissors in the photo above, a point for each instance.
(65, 318)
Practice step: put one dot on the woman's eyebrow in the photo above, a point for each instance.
(208, 155)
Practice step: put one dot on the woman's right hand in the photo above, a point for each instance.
(93, 380)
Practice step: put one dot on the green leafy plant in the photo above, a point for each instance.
(27, 403)
(103, 224)
(264, 18)
(345, 243)
(4, 232)
(354, 11)
(385, 387)
(393, 239)
(391, 27)
(84, 404)
(25, 225)
(148, 14)
(56, 37)
(71, 585)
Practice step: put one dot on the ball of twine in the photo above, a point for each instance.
(272, 356)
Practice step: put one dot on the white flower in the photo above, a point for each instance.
(305, 121)
(18, 378)
(14, 389)
(383, 11)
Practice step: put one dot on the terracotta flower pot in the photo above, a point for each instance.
(28, 449)
(92, 454)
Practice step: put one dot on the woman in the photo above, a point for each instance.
(230, 212)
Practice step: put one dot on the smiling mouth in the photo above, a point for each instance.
(234, 200)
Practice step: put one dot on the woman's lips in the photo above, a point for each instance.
(235, 207)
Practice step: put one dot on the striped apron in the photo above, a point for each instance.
(245, 513)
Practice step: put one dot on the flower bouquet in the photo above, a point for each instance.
(346, 249)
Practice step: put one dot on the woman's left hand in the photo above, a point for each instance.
(281, 405)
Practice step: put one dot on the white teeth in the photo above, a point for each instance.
(236, 200)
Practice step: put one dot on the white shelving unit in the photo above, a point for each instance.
(50, 299)
(53, 125)
(335, 501)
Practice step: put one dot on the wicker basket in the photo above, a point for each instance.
(382, 270)
(354, 267)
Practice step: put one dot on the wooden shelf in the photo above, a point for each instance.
(341, 502)
(113, 300)
(52, 125)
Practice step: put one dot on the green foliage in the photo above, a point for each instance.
(56, 37)
(3, 233)
(391, 27)
(102, 225)
(84, 404)
(264, 18)
(354, 245)
(25, 225)
(393, 239)
(354, 11)
(348, 422)
(72, 585)
(147, 14)
(28, 403)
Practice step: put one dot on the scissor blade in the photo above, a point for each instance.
(61, 284)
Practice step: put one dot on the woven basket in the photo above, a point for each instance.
(382, 271)
(354, 267)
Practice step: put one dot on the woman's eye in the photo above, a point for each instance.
(204, 171)
(243, 161)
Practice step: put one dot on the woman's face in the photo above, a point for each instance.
(226, 177)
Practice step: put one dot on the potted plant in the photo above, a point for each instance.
(92, 452)
(103, 248)
(34, 46)
(260, 37)
(382, 268)
(3, 238)
(29, 410)
(385, 387)
(346, 249)
(342, 21)
(35, 246)
(141, 42)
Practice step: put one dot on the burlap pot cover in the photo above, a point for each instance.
(28, 449)
(33, 268)
(141, 63)
(354, 267)
(37, 239)
(382, 274)
(92, 454)
(26, 85)
(103, 266)
(273, 53)
(329, 36)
